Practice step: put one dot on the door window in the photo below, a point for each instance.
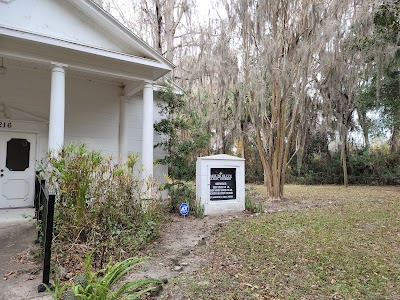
(18, 154)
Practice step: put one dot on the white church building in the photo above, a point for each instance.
(70, 72)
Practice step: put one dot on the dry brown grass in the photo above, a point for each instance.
(347, 249)
(335, 192)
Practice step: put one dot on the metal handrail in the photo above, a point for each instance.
(44, 212)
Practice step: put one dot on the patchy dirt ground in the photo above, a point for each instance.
(20, 272)
(300, 198)
(295, 205)
(181, 247)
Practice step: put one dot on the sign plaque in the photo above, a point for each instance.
(222, 184)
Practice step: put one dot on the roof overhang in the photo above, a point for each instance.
(112, 25)
(25, 45)
(31, 46)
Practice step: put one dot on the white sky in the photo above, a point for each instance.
(206, 9)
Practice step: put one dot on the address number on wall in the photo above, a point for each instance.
(5, 125)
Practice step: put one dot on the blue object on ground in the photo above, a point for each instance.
(184, 209)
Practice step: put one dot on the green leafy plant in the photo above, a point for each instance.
(105, 284)
(182, 133)
(96, 286)
(251, 205)
(198, 209)
(183, 139)
(365, 166)
(133, 158)
(72, 170)
(58, 290)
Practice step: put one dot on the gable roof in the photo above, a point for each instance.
(115, 27)
(78, 33)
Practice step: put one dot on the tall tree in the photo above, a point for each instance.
(214, 75)
(281, 41)
(380, 49)
(160, 22)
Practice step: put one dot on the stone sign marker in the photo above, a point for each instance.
(220, 183)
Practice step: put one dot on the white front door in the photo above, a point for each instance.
(17, 169)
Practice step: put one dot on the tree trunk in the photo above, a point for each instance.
(241, 145)
(303, 131)
(223, 141)
(395, 139)
(301, 143)
(242, 138)
(343, 137)
(278, 121)
(264, 161)
(281, 137)
(300, 154)
(362, 118)
(158, 32)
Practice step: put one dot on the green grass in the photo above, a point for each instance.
(350, 251)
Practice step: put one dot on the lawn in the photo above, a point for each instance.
(347, 250)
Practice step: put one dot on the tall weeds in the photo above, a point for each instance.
(99, 207)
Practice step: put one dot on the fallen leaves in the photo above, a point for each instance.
(327, 258)
(9, 274)
(253, 287)
(27, 257)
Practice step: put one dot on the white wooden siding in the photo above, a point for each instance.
(91, 112)
(61, 20)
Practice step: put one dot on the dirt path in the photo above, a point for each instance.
(181, 247)
(182, 240)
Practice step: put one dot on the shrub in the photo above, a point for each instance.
(369, 167)
(183, 135)
(183, 192)
(98, 207)
(374, 167)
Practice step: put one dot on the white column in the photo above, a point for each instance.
(147, 137)
(57, 107)
(123, 130)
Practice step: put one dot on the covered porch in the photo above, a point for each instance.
(94, 87)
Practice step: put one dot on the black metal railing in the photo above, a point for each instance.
(44, 213)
